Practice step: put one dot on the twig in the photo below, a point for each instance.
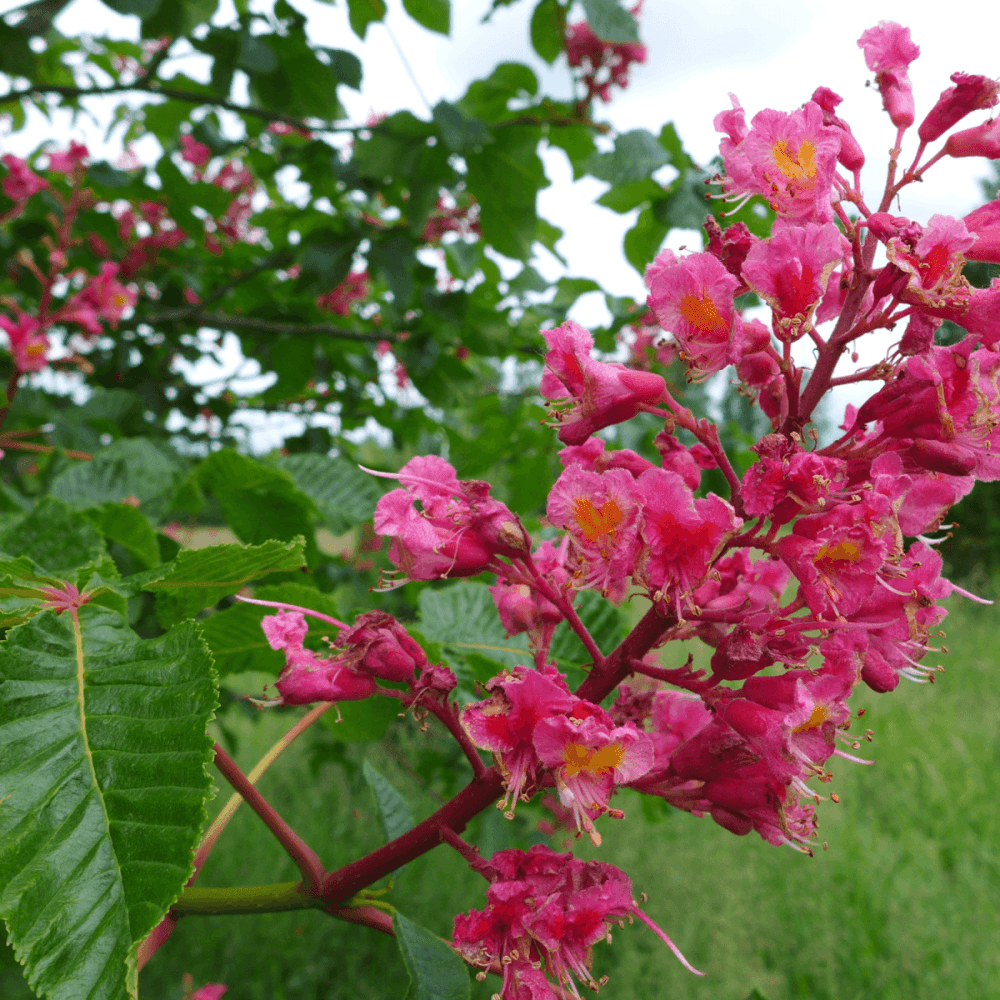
(224, 321)
(297, 849)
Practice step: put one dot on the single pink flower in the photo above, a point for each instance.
(888, 52)
(589, 757)
(980, 140)
(194, 152)
(692, 298)
(600, 511)
(591, 394)
(21, 182)
(970, 93)
(984, 222)
(851, 155)
(933, 265)
(790, 159)
(790, 272)
(28, 344)
(70, 160)
(680, 535)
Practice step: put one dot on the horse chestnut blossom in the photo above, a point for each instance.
(815, 573)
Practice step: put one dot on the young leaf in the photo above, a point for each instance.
(436, 972)
(435, 15)
(362, 13)
(199, 578)
(103, 780)
(394, 811)
(610, 21)
(548, 29)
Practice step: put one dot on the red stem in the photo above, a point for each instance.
(446, 715)
(298, 850)
(339, 886)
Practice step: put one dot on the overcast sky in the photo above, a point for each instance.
(770, 54)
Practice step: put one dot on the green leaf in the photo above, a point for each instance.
(394, 811)
(346, 67)
(644, 239)
(506, 178)
(343, 494)
(458, 130)
(548, 29)
(630, 196)
(200, 578)
(364, 12)
(140, 8)
(755, 994)
(610, 21)
(435, 15)
(130, 528)
(436, 972)
(637, 154)
(258, 502)
(16, 57)
(362, 721)
(488, 98)
(671, 142)
(254, 54)
(103, 780)
(129, 467)
(464, 618)
(56, 538)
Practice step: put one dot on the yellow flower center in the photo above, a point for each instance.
(701, 313)
(799, 166)
(817, 718)
(842, 551)
(580, 758)
(596, 522)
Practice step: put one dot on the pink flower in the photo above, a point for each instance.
(604, 63)
(984, 222)
(28, 344)
(692, 298)
(591, 455)
(591, 394)
(356, 287)
(731, 247)
(600, 511)
(546, 911)
(980, 140)
(933, 265)
(970, 93)
(790, 159)
(790, 272)
(459, 530)
(21, 182)
(589, 757)
(888, 52)
(194, 152)
(788, 481)
(103, 298)
(70, 160)
(213, 991)
(681, 535)
(307, 677)
(851, 155)
(505, 723)
(837, 555)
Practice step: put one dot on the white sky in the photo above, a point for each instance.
(771, 54)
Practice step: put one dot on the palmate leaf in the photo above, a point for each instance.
(103, 782)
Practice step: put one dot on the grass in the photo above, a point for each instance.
(904, 904)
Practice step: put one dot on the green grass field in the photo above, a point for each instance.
(904, 904)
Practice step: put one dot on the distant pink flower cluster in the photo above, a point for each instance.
(450, 216)
(356, 287)
(604, 64)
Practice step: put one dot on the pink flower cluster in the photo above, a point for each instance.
(604, 64)
(375, 648)
(356, 287)
(541, 734)
(544, 913)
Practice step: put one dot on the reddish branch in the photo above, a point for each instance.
(298, 850)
